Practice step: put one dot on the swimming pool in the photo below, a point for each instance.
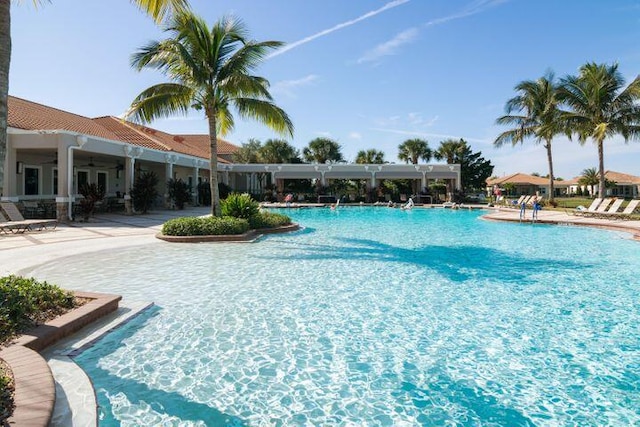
(372, 316)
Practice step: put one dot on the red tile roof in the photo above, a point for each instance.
(523, 179)
(29, 115)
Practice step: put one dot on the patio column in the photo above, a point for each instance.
(196, 173)
(131, 153)
(169, 159)
(10, 190)
(62, 192)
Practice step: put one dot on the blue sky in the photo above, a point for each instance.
(367, 73)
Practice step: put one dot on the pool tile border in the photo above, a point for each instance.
(34, 384)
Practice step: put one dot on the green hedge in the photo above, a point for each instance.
(208, 226)
(268, 220)
(26, 302)
(6, 397)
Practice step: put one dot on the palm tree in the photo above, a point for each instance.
(157, 9)
(590, 177)
(278, 151)
(322, 150)
(451, 150)
(600, 107)
(538, 117)
(211, 70)
(249, 152)
(412, 150)
(372, 156)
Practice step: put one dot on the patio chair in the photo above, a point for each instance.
(602, 207)
(612, 209)
(628, 211)
(589, 210)
(14, 215)
(12, 226)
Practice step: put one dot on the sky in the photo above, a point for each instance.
(366, 73)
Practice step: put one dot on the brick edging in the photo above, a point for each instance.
(249, 236)
(35, 391)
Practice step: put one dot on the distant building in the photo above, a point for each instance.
(524, 184)
(627, 186)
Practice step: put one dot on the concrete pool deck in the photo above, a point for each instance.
(21, 253)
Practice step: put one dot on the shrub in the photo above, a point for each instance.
(27, 302)
(6, 395)
(239, 206)
(91, 194)
(192, 226)
(179, 192)
(144, 191)
(268, 220)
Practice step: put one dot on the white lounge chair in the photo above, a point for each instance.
(592, 208)
(612, 209)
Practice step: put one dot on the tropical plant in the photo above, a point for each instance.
(144, 191)
(369, 157)
(474, 169)
(239, 206)
(91, 193)
(7, 390)
(248, 152)
(322, 150)
(412, 150)
(268, 220)
(179, 192)
(157, 9)
(278, 151)
(601, 107)
(590, 178)
(538, 117)
(211, 69)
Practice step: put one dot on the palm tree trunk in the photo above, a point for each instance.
(552, 190)
(213, 165)
(601, 168)
(5, 59)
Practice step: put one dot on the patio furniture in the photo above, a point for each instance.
(14, 215)
(612, 209)
(589, 210)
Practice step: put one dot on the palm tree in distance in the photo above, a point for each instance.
(601, 107)
(157, 9)
(412, 150)
(451, 150)
(211, 70)
(278, 151)
(248, 152)
(590, 177)
(372, 156)
(537, 116)
(322, 150)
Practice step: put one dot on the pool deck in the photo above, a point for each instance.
(20, 253)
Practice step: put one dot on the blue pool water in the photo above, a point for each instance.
(373, 316)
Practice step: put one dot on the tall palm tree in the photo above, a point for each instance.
(412, 150)
(322, 150)
(537, 116)
(372, 156)
(590, 177)
(601, 107)
(157, 9)
(248, 152)
(210, 70)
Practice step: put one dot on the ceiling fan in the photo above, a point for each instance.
(91, 164)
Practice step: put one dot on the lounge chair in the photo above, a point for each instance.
(15, 216)
(602, 207)
(612, 209)
(592, 208)
(626, 213)
(12, 226)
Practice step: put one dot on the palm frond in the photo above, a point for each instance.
(265, 112)
(162, 100)
(159, 9)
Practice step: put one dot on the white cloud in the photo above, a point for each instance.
(324, 134)
(355, 135)
(389, 47)
(288, 87)
(471, 9)
(340, 26)
(427, 135)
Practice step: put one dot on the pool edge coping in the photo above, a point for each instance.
(35, 393)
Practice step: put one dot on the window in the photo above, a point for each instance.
(31, 180)
(82, 178)
(103, 180)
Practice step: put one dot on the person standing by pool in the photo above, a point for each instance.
(523, 209)
(535, 208)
